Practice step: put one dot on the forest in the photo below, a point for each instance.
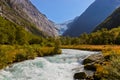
(100, 37)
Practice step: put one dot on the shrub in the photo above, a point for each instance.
(16, 53)
(114, 68)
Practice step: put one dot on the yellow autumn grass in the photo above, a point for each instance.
(106, 49)
(92, 47)
(15, 53)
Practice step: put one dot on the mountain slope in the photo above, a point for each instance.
(24, 13)
(11, 33)
(94, 15)
(112, 21)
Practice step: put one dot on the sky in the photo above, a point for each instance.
(60, 11)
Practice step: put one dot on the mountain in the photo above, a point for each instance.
(112, 21)
(24, 13)
(97, 12)
(62, 27)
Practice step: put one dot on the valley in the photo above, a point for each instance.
(33, 47)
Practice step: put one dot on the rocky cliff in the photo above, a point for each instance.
(24, 13)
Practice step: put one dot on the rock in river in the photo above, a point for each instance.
(97, 58)
(80, 75)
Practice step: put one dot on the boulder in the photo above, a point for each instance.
(87, 60)
(94, 58)
(80, 75)
(91, 67)
(107, 57)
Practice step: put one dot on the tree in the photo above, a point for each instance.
(84, 38)
(21, 36)
(3, 38)
(36, 41)
(117, 41)
(57, 47)
(75, 41)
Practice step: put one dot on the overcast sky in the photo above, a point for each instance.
(62, 10)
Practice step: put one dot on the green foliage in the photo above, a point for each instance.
(101, 37)
(57, 47)
(113, 70)
(84, 38)
(21, 36)
(117, 41)
(11, 33)
(36, 41)
(105, 36)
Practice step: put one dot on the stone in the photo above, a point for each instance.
(80, 75)
(93, 58)
(91, 67)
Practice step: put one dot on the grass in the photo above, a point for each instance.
(92, 47)
(11, 54)
(109, 71)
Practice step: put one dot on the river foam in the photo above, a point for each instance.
(58, 67)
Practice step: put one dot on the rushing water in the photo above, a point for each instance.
(58, 67)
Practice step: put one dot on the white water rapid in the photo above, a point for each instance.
(58, 67)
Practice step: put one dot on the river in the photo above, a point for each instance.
(58, 67)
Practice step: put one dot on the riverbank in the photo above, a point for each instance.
(10, 54)
(105, 66)
(92, 47)
(57, 67)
